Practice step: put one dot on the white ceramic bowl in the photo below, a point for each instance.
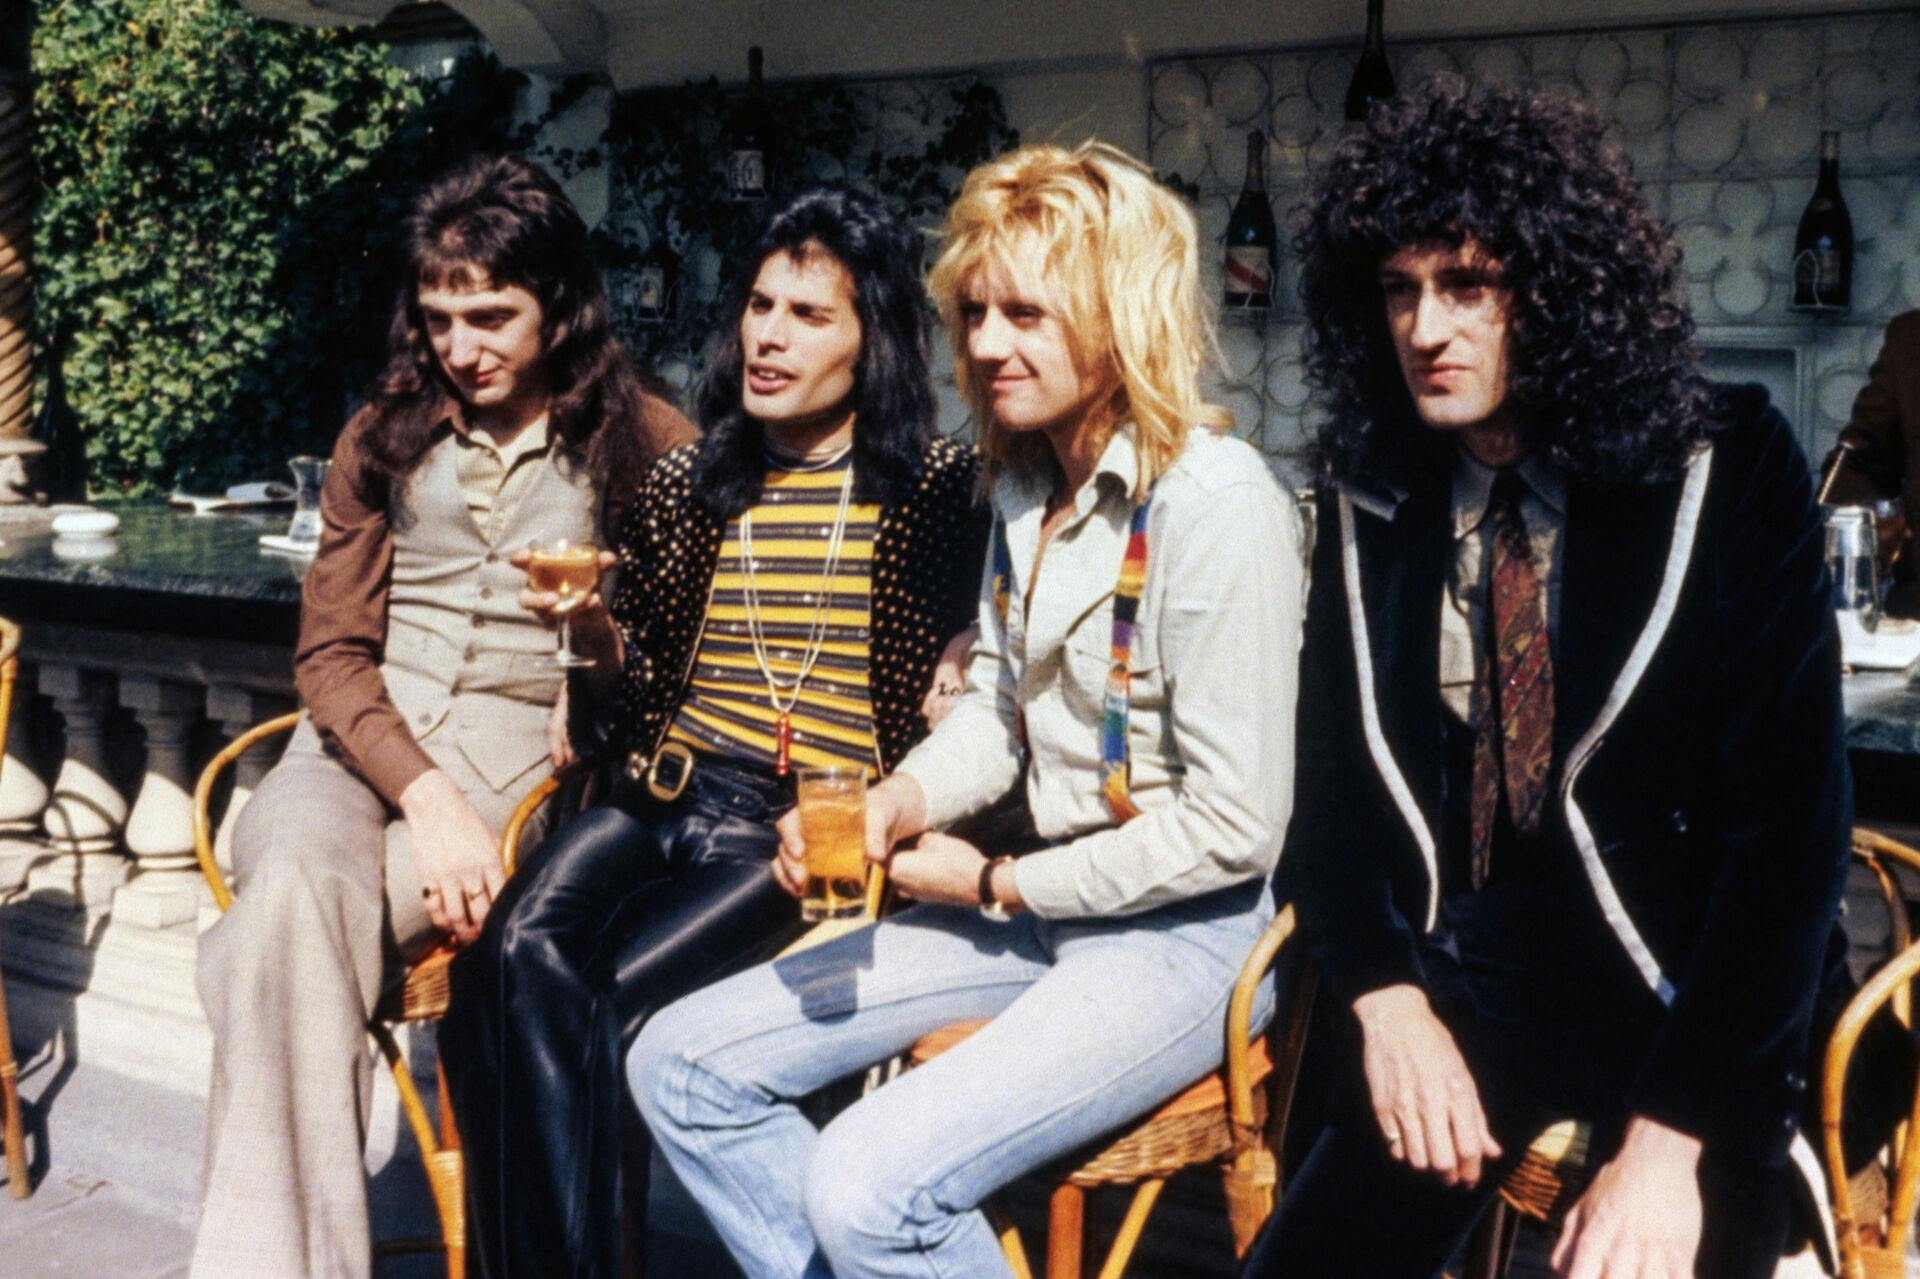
(85, 524)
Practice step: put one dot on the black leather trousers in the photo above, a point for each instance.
(626, 908)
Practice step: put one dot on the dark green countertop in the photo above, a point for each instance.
(165, 571)
(163, 549)
(1883, 712)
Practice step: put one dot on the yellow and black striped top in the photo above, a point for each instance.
(727, 709)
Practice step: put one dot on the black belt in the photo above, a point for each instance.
(666, 774)
(671, 769)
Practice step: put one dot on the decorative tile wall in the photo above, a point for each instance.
(1722, 121)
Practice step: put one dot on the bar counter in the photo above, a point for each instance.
(164, 570)
(140, 655)
(1883, 712)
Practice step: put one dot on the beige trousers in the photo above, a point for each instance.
(326, 901)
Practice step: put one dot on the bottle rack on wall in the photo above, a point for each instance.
(1721, 119)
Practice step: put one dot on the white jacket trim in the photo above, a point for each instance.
(1370, 714)
(1686, 523)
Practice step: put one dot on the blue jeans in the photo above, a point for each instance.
(1095, 1022)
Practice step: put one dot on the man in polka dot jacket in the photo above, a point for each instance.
(786, 587)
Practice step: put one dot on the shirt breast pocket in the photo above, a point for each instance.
(1090, 664)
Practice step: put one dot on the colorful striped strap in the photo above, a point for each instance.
(1116, 705)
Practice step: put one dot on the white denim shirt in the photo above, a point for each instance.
(1214, 660)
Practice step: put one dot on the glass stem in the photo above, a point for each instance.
(566, 635)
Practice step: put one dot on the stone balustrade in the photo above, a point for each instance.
(135, 670)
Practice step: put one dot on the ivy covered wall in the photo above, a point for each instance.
(214, 243)
(220, 199)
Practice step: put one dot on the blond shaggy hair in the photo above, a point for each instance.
(1090, 235)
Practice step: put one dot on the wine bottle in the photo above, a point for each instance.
(656, 276)
(63, 467)
(1372, 78)
(1250, 267)
(1823, 247)
(749, 137)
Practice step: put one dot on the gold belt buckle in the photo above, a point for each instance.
(666, 784)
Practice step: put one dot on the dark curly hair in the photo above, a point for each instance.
(1603, 357)
(892, 397)
(503, 220)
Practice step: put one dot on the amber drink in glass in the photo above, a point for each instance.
(570, 570)
(833, 825)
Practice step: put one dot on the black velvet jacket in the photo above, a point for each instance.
(927, 559)
(1700, 774)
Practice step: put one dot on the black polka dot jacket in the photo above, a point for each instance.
(927, 559)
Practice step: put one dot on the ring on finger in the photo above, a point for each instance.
(471, 893)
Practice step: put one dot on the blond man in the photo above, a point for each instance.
(1104, 958)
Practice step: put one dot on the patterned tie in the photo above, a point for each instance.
(1512, 711)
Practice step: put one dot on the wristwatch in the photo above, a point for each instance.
(991, 906)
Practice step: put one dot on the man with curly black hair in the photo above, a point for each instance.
(1571, 817)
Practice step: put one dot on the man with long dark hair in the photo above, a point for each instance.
(786, 587)
(1571, 827)
(507, 414)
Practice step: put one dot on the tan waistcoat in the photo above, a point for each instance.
(468, 668)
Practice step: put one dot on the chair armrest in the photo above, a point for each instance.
(1884, 986)
(1876, 851)
(203, 798)
(9, 672)
(1869, 844)
(539, 795)
(1240, 1017)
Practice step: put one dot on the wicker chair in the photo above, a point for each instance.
(1873, 1210)
(1232, 1120)
(1544, 1185)
(1555, 1170)
(18, 1183)
(420, 996)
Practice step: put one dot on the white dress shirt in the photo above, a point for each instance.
(1214, 672)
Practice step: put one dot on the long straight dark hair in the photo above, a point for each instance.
(892, 398)
(498, 221)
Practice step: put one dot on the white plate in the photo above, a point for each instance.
(1891, 646)
(85, 524)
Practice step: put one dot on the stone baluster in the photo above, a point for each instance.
(160, 827)
(86, 812)
(167, 887)
(237, 709)
(23, 787)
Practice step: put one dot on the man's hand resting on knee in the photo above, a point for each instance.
(458, 855)
(1641, 1217)
(1423, 1095)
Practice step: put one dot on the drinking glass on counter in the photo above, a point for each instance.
(570, 570)
(309, 474)
(833, 824)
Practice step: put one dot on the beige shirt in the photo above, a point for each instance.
(493, 476)
(1213, 666)
(1463, 610)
